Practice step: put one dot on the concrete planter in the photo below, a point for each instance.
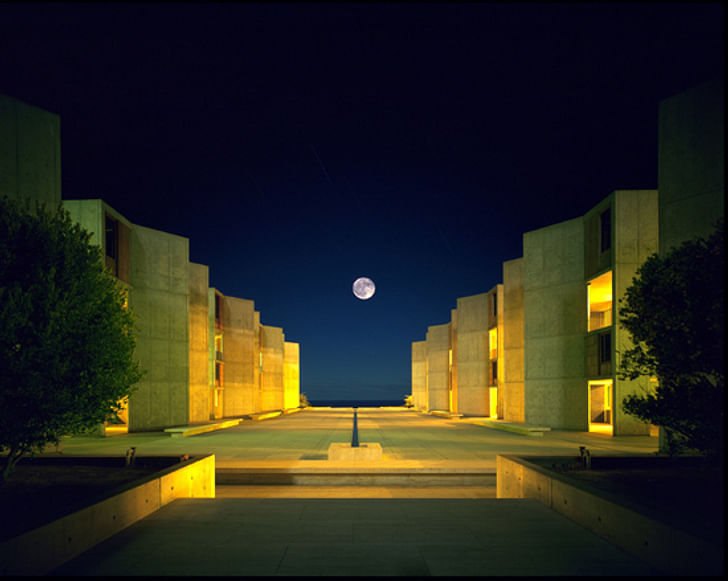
(39, 551)
(667, 548)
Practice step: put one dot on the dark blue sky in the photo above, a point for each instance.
(300, 146)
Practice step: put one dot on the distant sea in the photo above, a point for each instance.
(364, 403)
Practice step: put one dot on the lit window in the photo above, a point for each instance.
(493, 343)
(599, 301)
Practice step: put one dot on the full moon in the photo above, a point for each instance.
(364, 288)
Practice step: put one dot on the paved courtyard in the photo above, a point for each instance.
(357, 530)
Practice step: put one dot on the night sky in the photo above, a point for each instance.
(300, 146)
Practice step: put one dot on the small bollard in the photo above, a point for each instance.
(585, 457)
(130, 456)
(355, 433)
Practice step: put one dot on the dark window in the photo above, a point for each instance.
(605, 221)
(494, 366)
(605, 348)
(495, 304)
(218, 309)
(112, 238)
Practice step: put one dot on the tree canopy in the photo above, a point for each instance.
(674, 311)
(67, 341)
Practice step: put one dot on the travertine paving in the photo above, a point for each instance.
(357, 530)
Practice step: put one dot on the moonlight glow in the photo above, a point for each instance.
(364, 288)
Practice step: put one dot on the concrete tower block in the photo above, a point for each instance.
(291, 375)
(691, 163)
(513, 346)
(199, 343)
(419, 375)
(438, 366)
(271, 375)
(240, 356)
(555, 392)
(30, 153)
(159, 297)
(472, 356)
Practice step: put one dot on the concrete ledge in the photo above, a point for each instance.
(47, 547)
(445, 414)
(184, 431)
(266, 415)
(666, 548)
(355, 474)
(514, 428)
(341, 451)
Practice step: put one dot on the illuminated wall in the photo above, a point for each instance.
(199, 334)
(513, 346)
(472, 359)
(271, 368)
(419, 375)
(239, 356)
(291, 375)
(636, 237)
(30, 152)
(554, 306)
(159, 298)
(438, 367)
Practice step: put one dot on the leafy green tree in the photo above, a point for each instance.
(674, 313)
(66, 336)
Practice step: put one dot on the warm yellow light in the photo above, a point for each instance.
(493, 342)
(493, 402)
(599, 301)
(600, 395)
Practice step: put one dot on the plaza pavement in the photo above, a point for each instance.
(357, 530)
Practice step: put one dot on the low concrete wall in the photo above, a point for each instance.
(664, 547)
(41, 550)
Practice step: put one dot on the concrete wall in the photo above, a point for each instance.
(691, 163)
(200, 384)
(438, 364)
(554, 298)
(240, 357)
(291, 375)
(271, 377)
(30, 153)
(635, 239)
(513, 345)
(159, 298)
(472, 356)
(419, 375)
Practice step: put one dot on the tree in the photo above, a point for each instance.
(66, 339)
(674, 313)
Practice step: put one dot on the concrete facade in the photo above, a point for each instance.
(272, 345)
(201, 350)
(159, 299)
(30, 152)
(420, 398)
(513, 342)
(199, 341)
(554, 306)
(205, 355)
(291, 375)
(471, 364)
(691, 163)
(438, 367)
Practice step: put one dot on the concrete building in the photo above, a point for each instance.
(30, 152)
(459, 368)
(691, 163)
(205, 355)
(513, 342)
(574, 274)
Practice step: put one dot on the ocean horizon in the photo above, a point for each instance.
(362, 403)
